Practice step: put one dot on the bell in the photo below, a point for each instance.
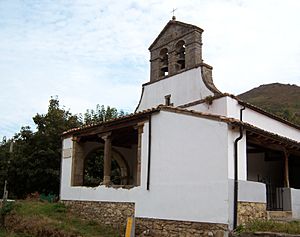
(181, 58)
(164, 68)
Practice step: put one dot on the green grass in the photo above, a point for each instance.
(292, 227)
(56, 216)
(33, 208)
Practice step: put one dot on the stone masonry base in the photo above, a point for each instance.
(109, 213)
(248, 211)
(116, 213)
(170, 228)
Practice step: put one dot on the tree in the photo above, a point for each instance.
(4, 158)
(100, 114)
(93, 172)
(35, 162)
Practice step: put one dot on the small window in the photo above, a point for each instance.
(168, 100)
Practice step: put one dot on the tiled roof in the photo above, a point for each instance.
(119, 119)
(246, 104)
(232, 121)
(220, 118)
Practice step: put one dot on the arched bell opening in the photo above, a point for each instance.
(164, 62)
(180, 53)
(93, 172)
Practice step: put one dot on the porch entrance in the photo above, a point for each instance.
(267, 166)
(275, 163)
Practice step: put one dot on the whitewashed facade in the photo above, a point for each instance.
(182, 160)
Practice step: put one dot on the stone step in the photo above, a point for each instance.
(279, 215)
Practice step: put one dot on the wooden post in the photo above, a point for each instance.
(139, 127)
(286, 169)
(107, 159)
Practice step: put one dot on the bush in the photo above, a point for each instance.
(6, 208)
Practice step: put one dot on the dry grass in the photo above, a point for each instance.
(33, 218)
(292, 227)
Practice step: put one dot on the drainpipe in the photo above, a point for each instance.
(236, 184)
(149, 153)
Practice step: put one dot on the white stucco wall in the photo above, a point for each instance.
(65, 176)
(230, 107)
(183, 88)
(247, 192)
(261, 121)
(295, 201)
(218, 107)
(189, 178)
(242, 154)
(102, 193)
(252, 192)
(189, 175)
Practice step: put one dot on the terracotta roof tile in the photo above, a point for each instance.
(246, 104)
(230, 121)
(128, 116)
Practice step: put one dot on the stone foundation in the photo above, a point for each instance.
(248, 211)
(116, 214)
(108, 213)
(169, 228)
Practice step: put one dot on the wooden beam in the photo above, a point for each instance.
(108, 128)
(286, 168)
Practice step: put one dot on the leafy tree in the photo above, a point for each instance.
(4, 158)
(35, 162)
(101, 114)
(94, 169)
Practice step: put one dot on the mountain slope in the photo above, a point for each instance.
(280, 99)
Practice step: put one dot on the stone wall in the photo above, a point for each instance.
(108, 213)
(248, 211)
(169, 228)
(116, 214)
(174, 33)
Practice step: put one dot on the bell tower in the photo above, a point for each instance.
(178, 75)
(177, 48)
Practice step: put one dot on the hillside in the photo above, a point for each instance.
(280, 99)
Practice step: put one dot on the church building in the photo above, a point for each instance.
(191, 160)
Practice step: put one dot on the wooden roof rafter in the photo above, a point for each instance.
(113, 124)
(272, 143)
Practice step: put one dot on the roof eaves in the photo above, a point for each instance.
(266, 113)
(111, 121)
(230, 121)
(246, 104)
(253, 128)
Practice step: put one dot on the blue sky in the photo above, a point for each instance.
(92, 52)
